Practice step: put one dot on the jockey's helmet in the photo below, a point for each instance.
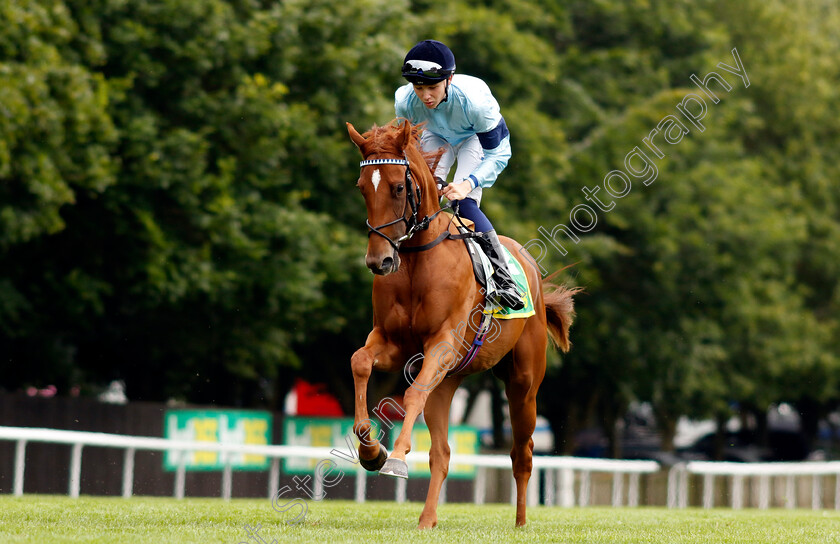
(428, 62)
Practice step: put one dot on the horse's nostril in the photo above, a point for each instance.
(387, 263)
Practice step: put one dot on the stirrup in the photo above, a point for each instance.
(509, 298)
(507, 293)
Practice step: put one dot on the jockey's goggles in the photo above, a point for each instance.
(409, 71)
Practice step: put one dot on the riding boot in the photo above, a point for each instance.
(507, 292)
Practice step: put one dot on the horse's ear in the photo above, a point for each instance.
(405, 134)
(357, 138)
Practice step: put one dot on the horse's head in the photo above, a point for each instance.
(393, 187)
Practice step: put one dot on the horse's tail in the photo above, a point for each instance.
(559, 313)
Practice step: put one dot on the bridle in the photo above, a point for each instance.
(413, 197)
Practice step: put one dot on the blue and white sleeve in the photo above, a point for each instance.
(486, 118)
(497, 152)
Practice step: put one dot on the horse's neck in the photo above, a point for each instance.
(439, 257)
(429, 206)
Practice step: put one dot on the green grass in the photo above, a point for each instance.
(48, 519)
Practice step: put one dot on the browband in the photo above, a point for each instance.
(401, 162)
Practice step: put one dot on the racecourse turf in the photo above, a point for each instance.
(50, 519)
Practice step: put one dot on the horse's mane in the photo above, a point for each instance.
(385, 140)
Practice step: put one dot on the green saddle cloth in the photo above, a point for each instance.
(518, 275)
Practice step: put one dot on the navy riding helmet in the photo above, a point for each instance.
(428, 62)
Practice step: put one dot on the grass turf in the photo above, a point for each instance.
(41, 519)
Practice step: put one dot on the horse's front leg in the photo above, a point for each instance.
(380, 354)
(439, 357)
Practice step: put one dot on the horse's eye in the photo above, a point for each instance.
(400, 188)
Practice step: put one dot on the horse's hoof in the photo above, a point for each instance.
(425, 525)
(395, 467)
(375, 464)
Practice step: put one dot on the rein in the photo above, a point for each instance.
(412, 223)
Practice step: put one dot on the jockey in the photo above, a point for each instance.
(462, 117)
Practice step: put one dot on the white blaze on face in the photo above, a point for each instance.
(375, 178)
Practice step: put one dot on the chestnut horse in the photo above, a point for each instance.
(423, 295)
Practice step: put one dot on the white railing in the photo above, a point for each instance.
(761, 474)
(562, 476)
(560, 472)
(131, 444)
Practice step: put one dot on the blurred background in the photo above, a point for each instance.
(179, 223)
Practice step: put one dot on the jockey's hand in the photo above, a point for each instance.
(457, 191)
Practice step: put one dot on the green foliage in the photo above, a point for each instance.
(699, 285)
(55, 131)
(158, 203)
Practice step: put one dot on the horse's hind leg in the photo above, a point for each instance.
(524, 373)
(437, 419)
